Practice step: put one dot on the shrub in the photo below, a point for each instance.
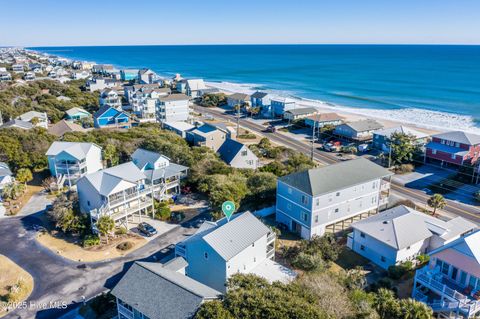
(126, 245)
(121, 231)
(308, 262)
(249, 136)
(91, 240)
(162, 211)
(404, 168)
(423, 259)
(398, 271)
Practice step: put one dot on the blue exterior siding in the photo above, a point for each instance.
(110, 117)
(290, 203)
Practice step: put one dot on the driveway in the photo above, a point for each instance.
(161, 227)
(57, 279)
(37, 203)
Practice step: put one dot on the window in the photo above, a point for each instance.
(457, 144)
(445, 268)
(383, 259)
(336, 210)
(205, 254)
(244, 153)
(362, 247)
(408, 247)
(88, 202)
(304, 216)
(254, 259)
(125, 305)
(454, 156)
(338, 194)
(316, 219)
(374, 185)
(434, 152)
(289, 206)
(304, 200)
(472, 282)
(317, 202)
(253, 244)
(289, 190)
(362, 235)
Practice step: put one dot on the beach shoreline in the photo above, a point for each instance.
(424, 120)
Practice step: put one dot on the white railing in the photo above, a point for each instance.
(271, 237)
(270, 252)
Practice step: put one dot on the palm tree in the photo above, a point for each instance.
(412, 309)
(105, 225)
(436, 201)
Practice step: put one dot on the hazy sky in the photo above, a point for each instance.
(110, 22)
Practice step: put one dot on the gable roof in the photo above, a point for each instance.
(31, 115)
(467, 245)
(326, 179)
(143, 157)
(388, 132)
(196, 84)
(230, 149)
(325, 117)
(63, 126)
(364, 125)
(161, 293)
(18, 124)
(459, 137)
(106, 180)
(105, 108)
(239, 96)
(75, 110)
(259, 95)
(179, 125)
(78, 150)
(401, 226)
(228, 239)
(174, 97)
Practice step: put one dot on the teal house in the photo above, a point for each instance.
(110, 117)
(77, 113)
(129, 74)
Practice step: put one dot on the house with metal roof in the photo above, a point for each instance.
(402, 233)
(77, 113)
(361, 131)
(331, 198)
(260, 99)
(238, 155)
(220, 249)
(208, 135)
(6, 176)
(160, 291)
(450, 283)
(110, 117)
(69, 161)
(240, 99)
(38, 119)
(299, 113)
(322, 119)
(110, 97)
(179, 128)
(120, 192)
(279, 105)
(193, 87)
(161, 174)
(24, 125)
(455, 148)
(381, 138)
(147, 76)
(129, 74)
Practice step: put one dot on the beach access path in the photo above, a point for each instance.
(453, 208)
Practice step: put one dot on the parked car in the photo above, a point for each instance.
(271, 129)
(147, 229)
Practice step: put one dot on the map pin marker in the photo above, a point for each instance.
(228, 208)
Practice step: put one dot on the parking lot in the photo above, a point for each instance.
(160, 226)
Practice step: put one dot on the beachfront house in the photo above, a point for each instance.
(76, 114)
(173, 108)
(450, 283)
(161, 174)
(194, 88)
(129, 74)
(99, 84)
(160, 291)
(6, 176)
(209, 136)
(220, 249)
(62, 127)
(238, 155)
(401, 233)
(37, 119)
(119, 192)
(238, 99)
(179, 128)
(279, 105)
(358, 131)
(110, 117)
(147, 76)
(331, 198)
(454, 149)
(322, 119)
(299, 113)
(382, 138)
(260, 99)
(69, 161)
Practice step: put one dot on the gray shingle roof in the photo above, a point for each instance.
(174, 97)
(365, 125)
(229, 150)
(401, 226)
(161, 293)
(302, 111)
(335, 177)
(18, 124)
(259, 95)
(460, 137)
(239, 96)
(228, 239)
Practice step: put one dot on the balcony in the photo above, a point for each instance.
(384, 186)
(270, 251)
(271, 237)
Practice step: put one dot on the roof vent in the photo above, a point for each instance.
(386, 222)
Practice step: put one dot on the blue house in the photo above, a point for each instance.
(259, 99)
(129, 74)
(110, 117)
(76, 113)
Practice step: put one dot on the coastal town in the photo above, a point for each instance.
(128, 194)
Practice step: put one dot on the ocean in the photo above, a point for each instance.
(436, 86)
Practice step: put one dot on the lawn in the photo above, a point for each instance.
(70, 247)
(349, 259)
(14, 281)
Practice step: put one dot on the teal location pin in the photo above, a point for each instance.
(228, 208)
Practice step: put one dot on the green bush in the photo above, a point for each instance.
(120, 231)
(162, 211)
(126, 245)
(91, 240)
(398, 271)
(404, 168)
(249, 136)
(308, 262)
(423, 259)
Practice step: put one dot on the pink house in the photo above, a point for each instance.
(450, 283)
(456, 147)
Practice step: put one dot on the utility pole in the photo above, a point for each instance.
(238, 120)
(313, 137)
(389, 154)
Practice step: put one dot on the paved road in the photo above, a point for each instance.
(455, 208)
(57, 279)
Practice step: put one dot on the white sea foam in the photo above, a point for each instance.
(414, 116)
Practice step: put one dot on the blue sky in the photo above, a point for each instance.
(109, 22)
